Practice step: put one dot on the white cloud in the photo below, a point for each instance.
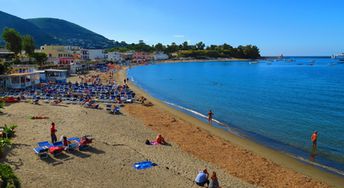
(178, 36)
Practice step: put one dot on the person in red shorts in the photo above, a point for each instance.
(314, 139)
(53, 133)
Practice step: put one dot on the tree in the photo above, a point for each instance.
(226, 46)
(251, 52)
(200, 46)
(185, 46)
(172, 48)
(40, 57)
(5, 67)
(13, 40)
(28, 45)
(159, 47)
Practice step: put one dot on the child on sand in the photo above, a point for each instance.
(214, 183)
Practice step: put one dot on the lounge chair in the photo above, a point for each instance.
(54, 149)
(41, 152)
(44, 144)
(108, 107)
(72, 146)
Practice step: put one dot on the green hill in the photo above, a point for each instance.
(54, 31)
(71, 34)
(24, 27)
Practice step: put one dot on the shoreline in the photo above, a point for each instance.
(200, 60)
(282, 160)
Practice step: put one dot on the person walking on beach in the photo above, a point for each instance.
(314, 138)
(210, 116)
(53, 133)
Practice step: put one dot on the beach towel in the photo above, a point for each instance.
(154, 143)
(55, 150)
(144, 165)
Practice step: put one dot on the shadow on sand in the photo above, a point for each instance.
(79, 154)
(93, 150)
(51, 161)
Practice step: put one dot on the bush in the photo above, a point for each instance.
(2, 105)
(4, 143)
(9, 130)
(8, 177)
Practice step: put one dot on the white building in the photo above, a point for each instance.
(77, 68)
(55, 75)
(114, 56)
(20, 80)
(84, 55)
(21, 76)
(160, 56)
(96, 54)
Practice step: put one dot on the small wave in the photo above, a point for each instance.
(194, 112)
(330, 169)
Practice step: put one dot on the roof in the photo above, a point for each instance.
(55, 70)
(19, 74)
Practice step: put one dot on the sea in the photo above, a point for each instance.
(278, 103)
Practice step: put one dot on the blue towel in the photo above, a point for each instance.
(144, 165)
(60, 144)
(74, 139)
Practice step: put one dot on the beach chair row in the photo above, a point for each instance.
(45, 148)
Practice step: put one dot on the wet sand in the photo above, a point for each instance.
(240, 157)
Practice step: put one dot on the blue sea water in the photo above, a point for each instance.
(275, 103)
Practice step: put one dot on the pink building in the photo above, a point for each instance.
(141, 57)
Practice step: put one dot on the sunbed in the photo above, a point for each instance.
(41, 152)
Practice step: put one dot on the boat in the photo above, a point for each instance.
(253, 62)
(340, 56)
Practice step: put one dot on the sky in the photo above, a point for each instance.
(288, 27)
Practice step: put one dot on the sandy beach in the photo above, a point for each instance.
(119, 143)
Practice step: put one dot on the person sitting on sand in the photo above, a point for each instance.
(214, 183)
(202, 178)
(160, 140)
